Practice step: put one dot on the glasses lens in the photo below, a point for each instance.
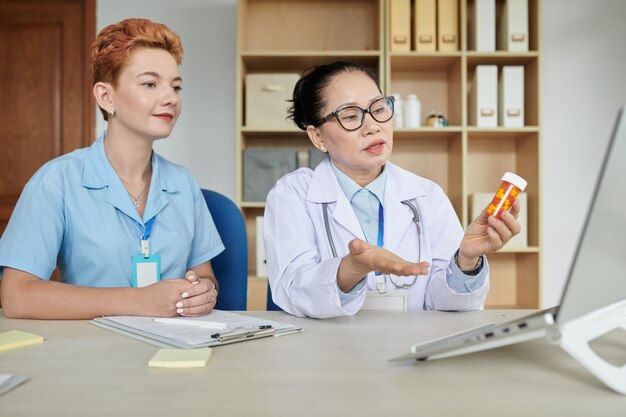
(350, 118)
(382, 109)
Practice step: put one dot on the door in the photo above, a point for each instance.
(46, 105)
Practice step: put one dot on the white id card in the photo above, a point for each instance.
(146, 271)
(391, 300)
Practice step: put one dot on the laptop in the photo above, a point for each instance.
(596, 276)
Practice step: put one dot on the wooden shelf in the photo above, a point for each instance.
(293, 35)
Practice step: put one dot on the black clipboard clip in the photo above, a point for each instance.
(262, 331)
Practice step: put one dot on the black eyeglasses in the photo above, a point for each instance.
(352, 117)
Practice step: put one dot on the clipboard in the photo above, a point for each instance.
(240, 328)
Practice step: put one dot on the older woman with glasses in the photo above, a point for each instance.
(359, 232)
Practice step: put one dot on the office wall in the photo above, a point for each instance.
(204, 137)
(583, 84)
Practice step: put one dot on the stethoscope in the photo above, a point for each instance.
(400, 282)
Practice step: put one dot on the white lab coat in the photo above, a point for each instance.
(301, 268)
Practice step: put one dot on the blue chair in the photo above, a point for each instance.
(230, 266)
(271, 306)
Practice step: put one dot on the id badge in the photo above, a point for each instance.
(146, 271)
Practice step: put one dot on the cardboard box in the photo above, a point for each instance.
(425, 26)
(400, 22)
(267, 98)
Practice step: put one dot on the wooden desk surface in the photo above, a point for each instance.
(335, 367)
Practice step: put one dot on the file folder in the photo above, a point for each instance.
(425, 26)
(513, 32)
(511, 96)
(447, 25)
(483, 101)
(482, 26)
(400, 16)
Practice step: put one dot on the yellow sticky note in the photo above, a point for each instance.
(180, 358)
(16, 338)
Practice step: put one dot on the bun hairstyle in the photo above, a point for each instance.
(308, 98)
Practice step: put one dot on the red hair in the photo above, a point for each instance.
(115, 43)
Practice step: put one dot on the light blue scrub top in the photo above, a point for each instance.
(75, 213)
(365, 202)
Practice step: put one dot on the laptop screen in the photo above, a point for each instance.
(598, 274)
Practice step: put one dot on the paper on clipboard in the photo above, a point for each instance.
(239, 328)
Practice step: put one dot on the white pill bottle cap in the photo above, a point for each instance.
(515, 179)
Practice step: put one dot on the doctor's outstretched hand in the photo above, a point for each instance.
(487, 234)
(364, 258)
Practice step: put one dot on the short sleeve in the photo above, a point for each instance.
(33, 237)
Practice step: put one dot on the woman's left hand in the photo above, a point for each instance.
(487, 234)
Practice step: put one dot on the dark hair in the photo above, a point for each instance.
(308, 94)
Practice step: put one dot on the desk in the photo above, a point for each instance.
(335, 367)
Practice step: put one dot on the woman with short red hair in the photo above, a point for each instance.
(129, 230)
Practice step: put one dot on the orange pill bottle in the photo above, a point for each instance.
(511, 187)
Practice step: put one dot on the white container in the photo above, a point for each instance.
(412, 112)
(398, 112)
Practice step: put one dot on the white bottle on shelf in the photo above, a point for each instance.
(398, 112)
(412, 112)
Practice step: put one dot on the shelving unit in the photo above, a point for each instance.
(292, 35)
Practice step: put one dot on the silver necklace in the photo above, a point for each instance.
(136, 198)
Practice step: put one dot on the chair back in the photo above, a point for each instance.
(230, 266)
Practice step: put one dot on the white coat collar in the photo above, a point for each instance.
(401, 185)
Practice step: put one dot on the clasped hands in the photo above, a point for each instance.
(190, 296)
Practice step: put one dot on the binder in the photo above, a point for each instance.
(261, 261)
(400, 19)
(511, 96)
(513, 32)
(482, 26)
(447, 25)
(484, 97)
(425, 26)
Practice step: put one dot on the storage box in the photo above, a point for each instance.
(447, 25)
(484, 97)
(400, 22)
(511, 94)
(262, 168)
(513, 26)
(479, 201)
(425, 26)
(482, 26)
(267, 98)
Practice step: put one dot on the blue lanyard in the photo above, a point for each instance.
(145, 235)
(146, 232)
(381, 228)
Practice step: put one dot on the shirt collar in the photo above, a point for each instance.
(350, 187)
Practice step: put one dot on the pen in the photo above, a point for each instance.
(216, 325)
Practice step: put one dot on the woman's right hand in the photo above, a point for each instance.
(364, 258)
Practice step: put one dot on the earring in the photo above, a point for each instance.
(112, 112)
(322, 148)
